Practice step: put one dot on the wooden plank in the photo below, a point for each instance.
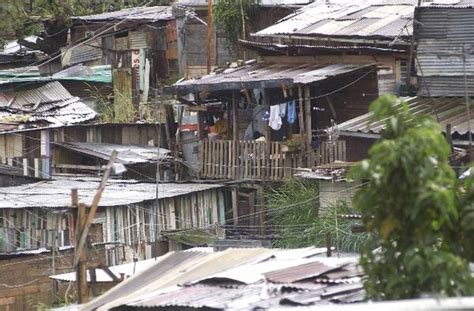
(344, 146)
(200, 158)
(301, 124)
(308, 113)
(78, 167)
(235, 211)
(25, 166)
(213, 158)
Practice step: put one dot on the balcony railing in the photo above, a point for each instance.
(249, 159)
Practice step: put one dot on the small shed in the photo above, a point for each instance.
(130, 212)
(334, 187)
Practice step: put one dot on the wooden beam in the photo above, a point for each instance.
(309, 137)
(301, 124)
(235, 206)
(94, 206)
(209, 36)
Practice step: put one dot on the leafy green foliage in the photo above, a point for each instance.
(294, 217)
(411, 207)
(20, 18)
(228, 16)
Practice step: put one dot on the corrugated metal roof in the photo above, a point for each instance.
(448, 110)
(299, 272)
(79, 72)
(84, 53)
(448, 4)
(348, 19)
(257, 293)
(127, 154)
(177, 268)
(141, 14)
(441, 35)
(261, 75)
(47, 105)
(57, 193)
(127, 269)
(264, 3)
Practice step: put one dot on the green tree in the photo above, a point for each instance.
(19, 18)
(412, 207)
(233, 17)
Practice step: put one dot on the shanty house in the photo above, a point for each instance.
(444, 60)
(84, 149)
(139, 43)
(345, 32)
(140, 214)
(192, 30)
(444, 49)
(261, 120)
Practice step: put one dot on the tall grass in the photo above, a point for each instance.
(295, 221)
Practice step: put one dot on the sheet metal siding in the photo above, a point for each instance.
(84, 53)
(137, 39)
(441, 35)
(445, 110)
(348, 20)
(56, 193)
(265, 75)
(142, 14)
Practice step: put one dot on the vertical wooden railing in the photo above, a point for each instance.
(249, 159)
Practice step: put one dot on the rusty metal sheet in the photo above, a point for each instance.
(259, 75)
(298, 273)
(142, 14)
(350, 20)
(446, 110)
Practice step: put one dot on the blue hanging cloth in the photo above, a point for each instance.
(266, 115)
(291, 113)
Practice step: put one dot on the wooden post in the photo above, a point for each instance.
(449, 136)
(79, 215)
(45, 150)
(328, 245)
(25, 166)
(309, 137)
(235, 206)
(81, 268)
(209, 36)
(235, 138)
(301, 124)
(268, 138)
(94, 206)
(37, 167)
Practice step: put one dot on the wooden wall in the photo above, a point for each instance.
(27, 277)
(140, 223)
(388, 74)
(131, 225)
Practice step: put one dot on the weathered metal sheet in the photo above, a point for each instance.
(127, 154)
(142, 14)
(441, 34)
(137, 39)
(84, 53)
(48, 105)
(264, 76)
(356, 19)
(57, 193)
(444, 110)
(298, 273)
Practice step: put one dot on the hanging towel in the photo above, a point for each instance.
(275, 118)
(283, 110)
(291, 114)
